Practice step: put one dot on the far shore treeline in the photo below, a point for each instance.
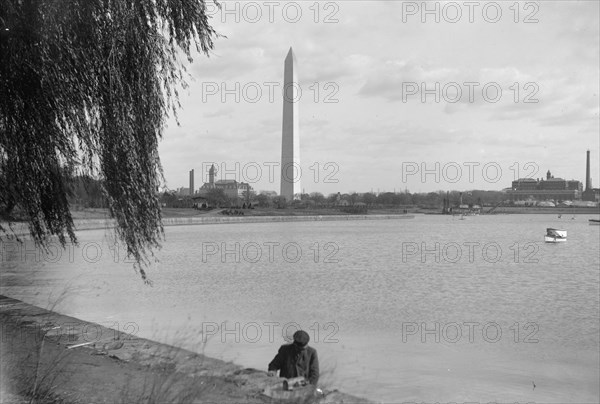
(86, 192)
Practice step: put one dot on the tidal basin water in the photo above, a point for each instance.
(426, 309)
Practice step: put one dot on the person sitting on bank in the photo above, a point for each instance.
(296, 360)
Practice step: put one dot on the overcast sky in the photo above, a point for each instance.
(366, 124)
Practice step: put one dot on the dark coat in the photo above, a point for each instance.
(292, 362)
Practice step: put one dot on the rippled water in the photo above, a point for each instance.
(429, 309)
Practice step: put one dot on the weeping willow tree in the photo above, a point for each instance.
(86, 87)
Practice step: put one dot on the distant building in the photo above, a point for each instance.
(183, 191)
(231, 188)
(558, 189)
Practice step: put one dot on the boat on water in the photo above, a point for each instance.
(594, 222)
(555, 235)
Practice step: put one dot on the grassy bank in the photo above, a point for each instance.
(51, 358)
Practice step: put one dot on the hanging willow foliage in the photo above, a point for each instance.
(86, 86)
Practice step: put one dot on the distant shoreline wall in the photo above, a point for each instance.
(95, 224)
(183, 221)
(21, 229)
(91, 224)
(533, 210)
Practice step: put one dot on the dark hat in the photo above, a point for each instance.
(301, 338)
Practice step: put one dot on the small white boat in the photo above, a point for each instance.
(555, 235)
(594, 222)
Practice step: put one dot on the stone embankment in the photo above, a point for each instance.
(92, 224)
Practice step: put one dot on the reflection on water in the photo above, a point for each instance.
(430, 309)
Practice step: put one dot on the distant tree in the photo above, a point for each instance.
(280, 202)
(454, 197)
(86, 86)
(369, 198)
(169, 199)
(386, 198)
(432, 200)
(332, 198)
(404, 198)
(248, 196)
(488, 197)
(298, 204)
(317, 198)
(417, 199)
(353, 198)
(217, 197)
(264, 201)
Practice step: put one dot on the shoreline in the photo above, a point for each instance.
(189, 217)
(78, 361)
(21, 229)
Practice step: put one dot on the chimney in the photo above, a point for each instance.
(211, 175)
(192, 182)
(588, 178)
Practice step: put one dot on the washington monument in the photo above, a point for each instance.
(290, 136)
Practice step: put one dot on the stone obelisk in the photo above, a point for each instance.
(290, 137)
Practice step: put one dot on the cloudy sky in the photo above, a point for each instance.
(395, 96)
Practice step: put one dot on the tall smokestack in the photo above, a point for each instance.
(192, 182)
(588, 178)
(211, 175)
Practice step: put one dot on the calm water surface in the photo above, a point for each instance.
(429, 309)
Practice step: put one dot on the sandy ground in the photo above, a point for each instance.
(60, 359)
